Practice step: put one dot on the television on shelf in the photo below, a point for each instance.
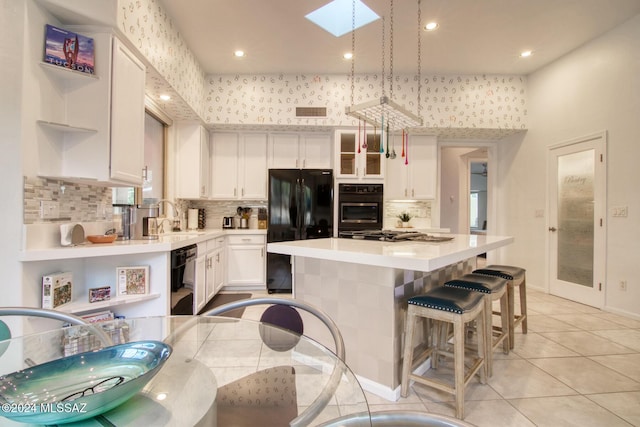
(70, 50)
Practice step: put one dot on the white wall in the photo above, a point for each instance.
(594, 88)
(11, 18)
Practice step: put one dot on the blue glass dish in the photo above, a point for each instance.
(81, 386)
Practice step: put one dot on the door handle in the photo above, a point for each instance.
(553, 229)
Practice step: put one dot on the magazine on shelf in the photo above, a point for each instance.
(57, 289)
(99, 316)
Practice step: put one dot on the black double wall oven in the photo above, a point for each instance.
(360, 207)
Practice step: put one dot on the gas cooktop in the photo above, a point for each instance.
(392, 236)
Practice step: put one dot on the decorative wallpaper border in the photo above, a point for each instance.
(478, 101)
(146, 24)
(458, 106)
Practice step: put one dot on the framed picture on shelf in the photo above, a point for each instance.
(57, 289)
(68, 49)
(133, 280)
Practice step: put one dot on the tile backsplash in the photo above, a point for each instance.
(76, 202)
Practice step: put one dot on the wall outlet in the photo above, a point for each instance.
(620, 211)
(623, 285)
(49, 209)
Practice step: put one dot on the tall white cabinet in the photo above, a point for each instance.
(239, 166)
(88, 128)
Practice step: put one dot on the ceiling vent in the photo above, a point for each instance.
(311, 112)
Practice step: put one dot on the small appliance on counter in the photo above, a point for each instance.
(262, 218)
(145, 222)
(122, 216)
(227, 222)
(202, 219)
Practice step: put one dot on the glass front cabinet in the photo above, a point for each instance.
(358, 154)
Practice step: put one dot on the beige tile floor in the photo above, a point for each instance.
(577, 366)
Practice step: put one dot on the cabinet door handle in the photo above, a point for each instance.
(243, 192)
(246, 240)
(296, 163)
(145, 172)
(262, 252)
(405, 192)
(235, 192)
(413, 192)
(217, 257)
(356, 171)
(304, 163)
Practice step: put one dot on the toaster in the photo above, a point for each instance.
(227, 222)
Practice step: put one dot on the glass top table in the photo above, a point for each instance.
(222, 371)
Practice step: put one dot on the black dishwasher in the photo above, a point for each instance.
(183, 276)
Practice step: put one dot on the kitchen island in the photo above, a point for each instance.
(364, 286)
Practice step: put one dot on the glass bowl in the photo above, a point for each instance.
(80, 386)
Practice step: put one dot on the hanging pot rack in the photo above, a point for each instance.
(384, 111)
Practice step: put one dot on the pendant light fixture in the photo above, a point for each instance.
(384, 112)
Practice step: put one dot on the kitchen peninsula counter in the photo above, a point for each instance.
(364, 285)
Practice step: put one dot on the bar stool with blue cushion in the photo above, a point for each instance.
(493, 288)
(450, 306)
(516, 277)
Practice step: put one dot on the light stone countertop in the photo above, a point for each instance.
(165, 243)
(408, 255)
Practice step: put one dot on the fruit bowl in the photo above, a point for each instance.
(81, 386)
(102, 238)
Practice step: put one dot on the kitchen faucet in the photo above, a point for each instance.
(176, 214)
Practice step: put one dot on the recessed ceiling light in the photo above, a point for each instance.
(526, 54)
(239, 53)
(431, 26)
(337, 16)
(165, 97)
(348, 55)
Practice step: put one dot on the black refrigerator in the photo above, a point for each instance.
(300, 207)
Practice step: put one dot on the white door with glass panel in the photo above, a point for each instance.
(577, 228)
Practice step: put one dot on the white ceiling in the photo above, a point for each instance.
(475, 36)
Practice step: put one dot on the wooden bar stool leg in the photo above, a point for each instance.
(408, 351)
(512, 323)
(459, 374)
(523, 304)
(505, 315)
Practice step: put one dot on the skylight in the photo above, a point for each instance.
(337, 17)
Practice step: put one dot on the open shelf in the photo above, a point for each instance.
(76, 307)
(67, 74)
(62, 127)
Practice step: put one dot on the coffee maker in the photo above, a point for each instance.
(144, 222)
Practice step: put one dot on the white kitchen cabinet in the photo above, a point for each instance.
(215, 266)
(239, 166)
(358, 155)
(127, 115)
(199, 287)
(417, 179)
(90, 128)
(246, 261)
(300, 151)
(192, 161)
(209, 271)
